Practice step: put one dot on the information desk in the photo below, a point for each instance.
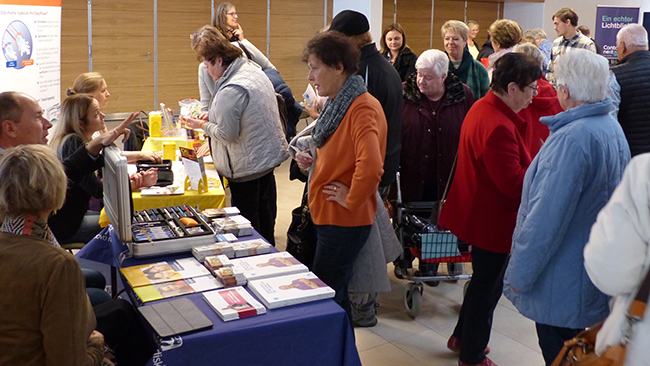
(316, 333)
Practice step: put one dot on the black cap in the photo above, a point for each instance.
(350, 23)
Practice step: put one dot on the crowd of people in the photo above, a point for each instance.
(532, 135)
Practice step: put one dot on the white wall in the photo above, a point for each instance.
(528, 14)
(372, 9)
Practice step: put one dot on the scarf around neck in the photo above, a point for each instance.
(29, 225)
(334, 110)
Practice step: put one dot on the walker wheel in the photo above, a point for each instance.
(413, 299)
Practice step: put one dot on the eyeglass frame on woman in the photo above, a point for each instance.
(233, 13)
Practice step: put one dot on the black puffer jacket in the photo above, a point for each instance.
(633, 75)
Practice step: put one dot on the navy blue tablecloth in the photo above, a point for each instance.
(314, 334)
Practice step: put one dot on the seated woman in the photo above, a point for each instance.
(94, 83)
(46, 316)
(244, 129)
(394, 48)
(80, 118)
(91, 83)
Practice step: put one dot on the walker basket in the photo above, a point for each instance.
(438, 244)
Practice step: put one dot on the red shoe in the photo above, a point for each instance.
(454, 345)
(486, 362)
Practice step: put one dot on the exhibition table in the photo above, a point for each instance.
(316, 333)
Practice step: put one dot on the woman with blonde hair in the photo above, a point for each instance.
(394, 48)
(472, 46)
(461, 63)
(505, 35)
(80, 118)
(91, 83)
(46, 315)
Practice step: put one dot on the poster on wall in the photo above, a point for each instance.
(609, 20)
(31, 51)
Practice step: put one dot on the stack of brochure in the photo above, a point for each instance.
(215, 262)
(230, 277)
(276, 292)
(251, 247)
(233, 303)
(237, 225)
(268, 265)
(220, 212)
(223, 248)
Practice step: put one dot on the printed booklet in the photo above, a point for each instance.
(268, 265)
(233, 303)
(154, 273)
(177, 288)
(277, 292)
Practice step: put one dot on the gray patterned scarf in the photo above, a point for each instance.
(334, 110)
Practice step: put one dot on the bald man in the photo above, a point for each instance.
(633, 75)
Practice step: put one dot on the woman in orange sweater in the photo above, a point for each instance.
(350, 137)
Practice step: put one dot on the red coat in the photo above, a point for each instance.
(545, 103)
(482, 204)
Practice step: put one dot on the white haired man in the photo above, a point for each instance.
(633, 76)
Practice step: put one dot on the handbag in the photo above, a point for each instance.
(579, 351)
(301, 235)
(165, 173)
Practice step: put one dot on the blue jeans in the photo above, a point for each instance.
(336, 250)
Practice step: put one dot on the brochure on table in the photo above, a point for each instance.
(152, 232)
(276, 292)
(159, 272)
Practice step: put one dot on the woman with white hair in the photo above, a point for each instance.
(461, 63)
(545, 103)
(543, 43)
(435, 104)
(565, 187)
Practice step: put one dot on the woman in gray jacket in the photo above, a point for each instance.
(244, 126)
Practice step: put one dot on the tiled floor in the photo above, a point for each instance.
(400, 340)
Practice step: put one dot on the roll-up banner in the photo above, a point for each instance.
(31, 51)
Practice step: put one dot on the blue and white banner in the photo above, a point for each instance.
(609, 20)
(30, 61)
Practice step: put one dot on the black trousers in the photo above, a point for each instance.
(484, 290)
(125, 333)
(257, 201)
(551, 339)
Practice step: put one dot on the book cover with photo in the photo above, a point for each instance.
(233, 303)
(177, 288)
(154, 273)
(268, 265)
(276, 292)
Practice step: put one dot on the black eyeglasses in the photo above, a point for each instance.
(233, 13)
(532, 87)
